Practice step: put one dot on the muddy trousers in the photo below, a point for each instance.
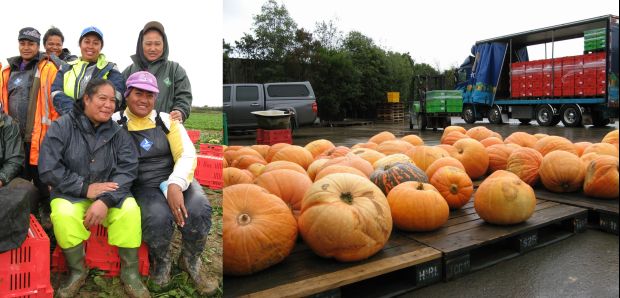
(124, 229)
(158, 221)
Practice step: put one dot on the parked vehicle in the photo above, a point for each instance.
(499, 81)
(295, 98)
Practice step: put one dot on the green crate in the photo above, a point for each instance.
(454, 109)
(436, 102)
(454, 102)
(595, 44)
(594, 32)
(442, 94)
(436, 109)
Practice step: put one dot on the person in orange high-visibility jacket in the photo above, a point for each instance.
(25, 94)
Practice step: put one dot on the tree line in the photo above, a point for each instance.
(349, 72)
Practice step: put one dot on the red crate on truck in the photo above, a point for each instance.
(517, 77)
(24, 271)
(601, 73)
(209, 171)
(568, 76)
(101, 255)
(273, 136)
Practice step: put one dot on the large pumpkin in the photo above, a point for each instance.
(601, 178)
(259, 230)
(369, 145)
(283, 164)
(611, 138)
(231, 155)
(315, 167)
(443, 162)
(473, 156)
(454, 185)
(333, 169)
(417, 207)
(413, 140)
(562, 171)
(288, 185)
(479, 133)
(525, 162)
(587, 158)
(491, 141)
(504, 200)
(337, 151)
(451, 128)
(244, 161)
(391, 175)
(351, 161)
(296, 154)
(522, 139)
(554, 143)
(394, 146)
(581, 146)
(346, 217)
(424, 156)
(368, 154)
(602, 149)
(262, 149)
(319, 146)
(274, 149)
(451, 137)
(382, 137)
(498, 156)
(232, 176)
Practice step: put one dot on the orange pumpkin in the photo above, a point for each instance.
(369, 155)
(315, 167)
(491, 141)
(601, 180)
(283, 164)
(244, 161)
(256, 169)
(296, 154)
(479, 133)
(232, 176)
(504, 200)
(424, 156)
(231, 155)
(451, 137)
(369, 145)
(454, 185)
(581, 146)
(319, 146)
(602, 149)
(443, 162)
(561, 171)
(525, 162)
(553, 143)
(334, 169)
(452, 128)
(338, 151)
(274, 149)
(502, 173)
(497, 135)
(587, 158)
(522, 139)
(346, 217)
(394, 146)
(382, 137)
(351, 161)
(288, 185)
(611, 138)
(262, 149)
(473, 156)
(449, 148)
(413, 140)
(258, 231)
(417, 207)
(540, 135)
(498, 156)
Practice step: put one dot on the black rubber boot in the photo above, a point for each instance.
(160, 272)
(129, 273)
(190, 262)
(77, 271)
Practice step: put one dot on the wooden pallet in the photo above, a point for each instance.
(602, 213)
(469, 244)
(303, 273)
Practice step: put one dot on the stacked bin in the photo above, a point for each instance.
(439, 101)
(517, 77)
(209, 166)
(594, 40)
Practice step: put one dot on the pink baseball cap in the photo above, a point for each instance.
(142, 80)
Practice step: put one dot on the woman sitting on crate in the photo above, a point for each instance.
(90, 162)
(164, 189)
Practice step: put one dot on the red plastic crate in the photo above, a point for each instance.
(212, 150)
(101, 255)
(273, 136)
(24, 271)
(194, 135)
(209, 171)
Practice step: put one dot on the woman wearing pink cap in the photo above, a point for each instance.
(164, 188)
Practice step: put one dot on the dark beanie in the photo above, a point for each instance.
(154, 25)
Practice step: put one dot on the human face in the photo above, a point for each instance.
(100, 107)
(28, 49)
(53, 45)
(152, 45)
(90, 47)
(140, 102)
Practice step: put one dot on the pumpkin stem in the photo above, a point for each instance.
(420, 186)
(347, 197)
(454, 189)
(244, 219)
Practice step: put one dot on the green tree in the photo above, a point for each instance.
(400, 73)
(274, 30)
(328, 35)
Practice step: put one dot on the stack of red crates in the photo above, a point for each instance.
(24, 271)
(573, 76)
(273, 136)
(209, 166)
(194, 135)
(101, 255)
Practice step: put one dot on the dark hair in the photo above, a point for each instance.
(51, 32)
(93, 86)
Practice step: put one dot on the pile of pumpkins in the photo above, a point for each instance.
(344, 201)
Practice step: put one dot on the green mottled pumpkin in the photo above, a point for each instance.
(391, 175)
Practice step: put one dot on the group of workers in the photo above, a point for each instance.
(90, 145)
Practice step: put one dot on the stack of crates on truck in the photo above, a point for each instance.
(594, 40)
(441, 101)
(517, 77)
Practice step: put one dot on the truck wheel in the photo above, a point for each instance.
(571, 116)
(525, 121)
(422, 121)
(544, 115)
(468, 114)
(495, 115)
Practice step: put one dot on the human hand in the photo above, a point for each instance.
(176, 203)
(96, 189)
(95, 214)
(176, 115)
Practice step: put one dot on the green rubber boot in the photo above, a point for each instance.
(129, 273)
(77, 271)
(190, 262)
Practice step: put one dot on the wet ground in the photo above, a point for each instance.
(584, 265)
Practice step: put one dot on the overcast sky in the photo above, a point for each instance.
(436, 32)
(193, 29)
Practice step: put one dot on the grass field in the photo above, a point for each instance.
(209, 123)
